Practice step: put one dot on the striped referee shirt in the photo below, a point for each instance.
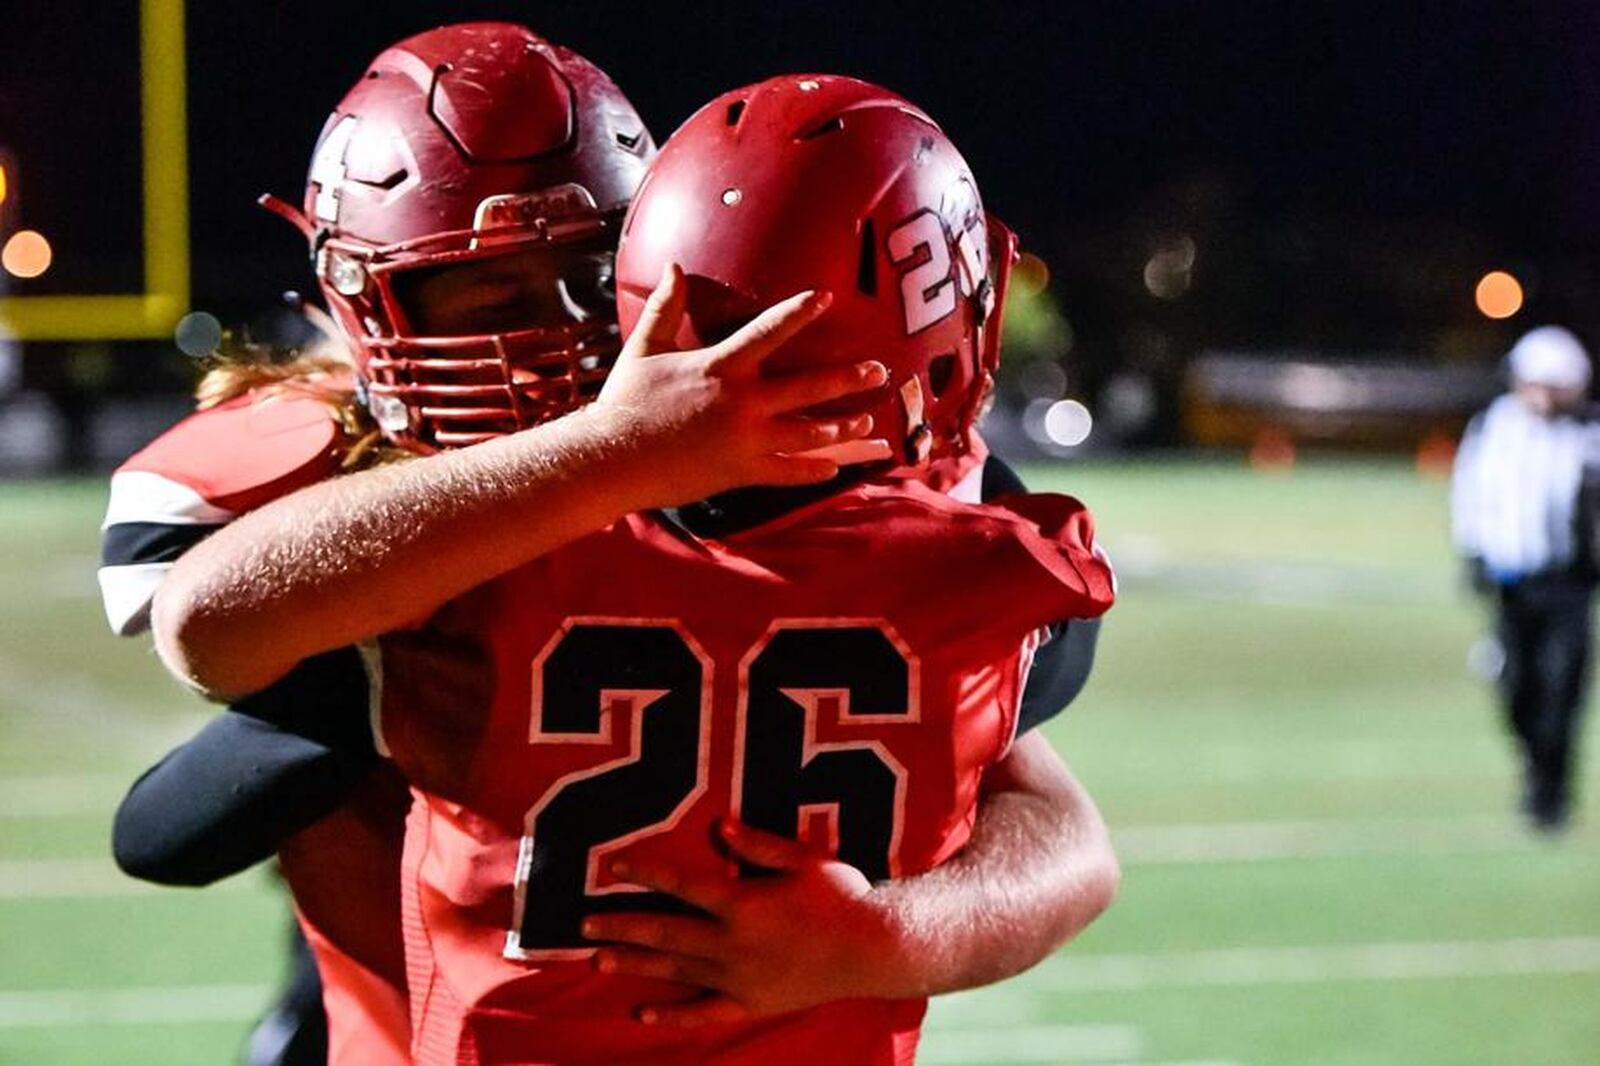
(1514, 498)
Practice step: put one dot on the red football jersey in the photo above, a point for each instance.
(343, 871)
(844, 673)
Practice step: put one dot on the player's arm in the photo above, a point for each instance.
(282, 758)
(1468, 505)
(345, 560)
(251, 778)
(1037, 870)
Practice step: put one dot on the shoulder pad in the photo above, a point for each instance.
(243, 453)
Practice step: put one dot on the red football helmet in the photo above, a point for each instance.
(477, 163)
(819, 182)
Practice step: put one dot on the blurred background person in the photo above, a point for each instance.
(1522, 517)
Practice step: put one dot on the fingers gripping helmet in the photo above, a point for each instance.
(475, 144)
(818, 182)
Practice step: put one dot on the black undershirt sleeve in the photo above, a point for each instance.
(1062, 664)
(1061, 669)
(256, 774)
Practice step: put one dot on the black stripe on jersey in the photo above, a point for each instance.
(150, 542)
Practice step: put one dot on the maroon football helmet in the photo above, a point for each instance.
(820, 182)
(481, 162)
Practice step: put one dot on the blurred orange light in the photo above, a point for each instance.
(1272, 451)
(1030, 274)
(1436, 455)
(26, 255)
(2, 183)
(1499, 295)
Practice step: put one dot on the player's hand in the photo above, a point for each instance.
(711, 421)
(809, 933)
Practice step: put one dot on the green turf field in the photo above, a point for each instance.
(1310, 794)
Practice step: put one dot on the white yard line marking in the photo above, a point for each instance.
(1019, 1042)
(1172, 1061)
(1320, 838)
(60, 1009)
(1349, 759)
(23, 879)
(61, 795)
(1165, 1061)
(1146, 845)
(1283, 583)
(1317, 965)
(81, 707)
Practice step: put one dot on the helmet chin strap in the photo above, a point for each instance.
(919, 435)
(989, 299)
(289, 213)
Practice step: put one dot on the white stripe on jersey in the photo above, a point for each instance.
(970, 488)
(127, 591)
(143, 496)
(1030, 648)
(372, 659)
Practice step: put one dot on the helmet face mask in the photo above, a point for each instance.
(506, 291)
(481, 341)
(463, 205)
(820, 182)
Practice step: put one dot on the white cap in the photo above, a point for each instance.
(1550, 356)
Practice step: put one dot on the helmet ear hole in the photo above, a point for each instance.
(835, 185)
(941, 372)
(867, 264)
(832, 125)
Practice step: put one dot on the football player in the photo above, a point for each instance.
(941, 372)
(475, 177)
(316, 756)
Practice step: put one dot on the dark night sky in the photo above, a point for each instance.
(1479, 121)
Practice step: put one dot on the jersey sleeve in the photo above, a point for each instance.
(1055, 568)
(1044, 575)
(1466, 502)
(195, 478)
(1062, 665)
(277, 760)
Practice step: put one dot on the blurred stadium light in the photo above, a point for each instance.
(1499, 294)
(150, 314)
(1068, 423)
(1169, 270)
(26, 254)
(8, 192)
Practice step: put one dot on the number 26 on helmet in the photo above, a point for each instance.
(825, 182)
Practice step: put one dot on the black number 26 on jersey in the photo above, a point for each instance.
(783, 772)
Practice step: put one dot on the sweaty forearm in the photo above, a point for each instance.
(1037, 870)
(343, 561)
